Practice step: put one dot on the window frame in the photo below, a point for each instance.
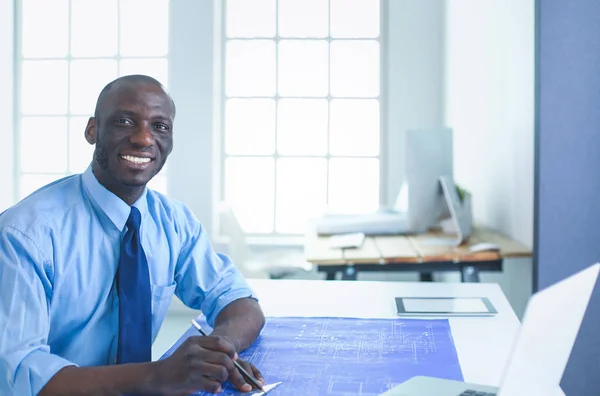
(18, 115)
(221, 40)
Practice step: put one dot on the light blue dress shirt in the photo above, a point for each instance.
(59, 250)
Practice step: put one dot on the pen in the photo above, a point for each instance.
(246, 375)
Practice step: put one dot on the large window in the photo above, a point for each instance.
(68, 51)
(301, 110)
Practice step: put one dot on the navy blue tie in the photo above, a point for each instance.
(135, 309)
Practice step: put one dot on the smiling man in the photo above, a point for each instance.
(89, 264)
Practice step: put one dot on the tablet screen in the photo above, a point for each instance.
(444, 305)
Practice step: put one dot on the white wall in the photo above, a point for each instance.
(413, 78)
(193, 68)
(6, 104)
(490, 105)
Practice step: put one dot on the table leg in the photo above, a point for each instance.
(469, 274)
(330, 275)
(349, 273)
(426, 277)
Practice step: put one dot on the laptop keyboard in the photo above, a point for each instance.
(471, 392)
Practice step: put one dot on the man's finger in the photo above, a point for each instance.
(214, 372)
(250, 370)
(257, 374)
(237, 379)
(216, 343)
(210, 385)
(248, 367)
(218, 358)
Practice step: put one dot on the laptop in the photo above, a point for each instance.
(552, 320)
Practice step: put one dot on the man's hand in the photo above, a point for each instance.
(201, 363)
(237, 379)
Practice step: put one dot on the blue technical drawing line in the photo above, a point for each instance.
(346, 356)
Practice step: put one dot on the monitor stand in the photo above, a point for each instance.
(460, 210)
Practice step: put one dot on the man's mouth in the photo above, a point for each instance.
(136, 160)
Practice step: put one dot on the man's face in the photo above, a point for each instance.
(133, 134)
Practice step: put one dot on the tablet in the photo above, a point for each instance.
(444, 306)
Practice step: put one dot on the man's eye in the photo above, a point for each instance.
(123, 121)
(161, 126)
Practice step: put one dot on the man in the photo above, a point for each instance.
(89, 264)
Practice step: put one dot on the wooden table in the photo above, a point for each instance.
(423, 253)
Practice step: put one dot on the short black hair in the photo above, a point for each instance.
(129, 79)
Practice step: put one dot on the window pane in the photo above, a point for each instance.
(355, 18)
(153, 67)
(250, 126)
(94, 28)
(144, 27)
(355, 68)
(159, 183)
(250, 18)
(354, 127)
(88, 77)
(353, 185)
(249, 189)
(250, 68)
(302, 127)
(306, 18)
(301, 192)
(43, 144)
(303, 67)
(80, 151)
(44, 87)
(45, 27)
(30, 183)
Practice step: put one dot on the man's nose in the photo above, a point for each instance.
(142, 136)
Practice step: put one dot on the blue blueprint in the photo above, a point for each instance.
(346, 356)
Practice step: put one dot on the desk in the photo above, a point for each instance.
(424, 253)
(482, 344)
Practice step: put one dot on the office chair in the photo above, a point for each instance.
(273, 264)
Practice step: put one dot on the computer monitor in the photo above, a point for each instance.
(429, 156)
(421, 201)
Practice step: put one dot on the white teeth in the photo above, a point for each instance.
(135, 160)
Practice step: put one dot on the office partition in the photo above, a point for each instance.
(567, 165)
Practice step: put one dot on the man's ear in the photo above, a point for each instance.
(90, 131)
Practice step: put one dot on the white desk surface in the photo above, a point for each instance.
(483, 344)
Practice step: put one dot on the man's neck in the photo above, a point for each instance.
(128, 194)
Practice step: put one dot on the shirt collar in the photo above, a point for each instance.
(114, 207)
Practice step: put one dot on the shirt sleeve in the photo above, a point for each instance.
(26, 364)
(206, 280)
